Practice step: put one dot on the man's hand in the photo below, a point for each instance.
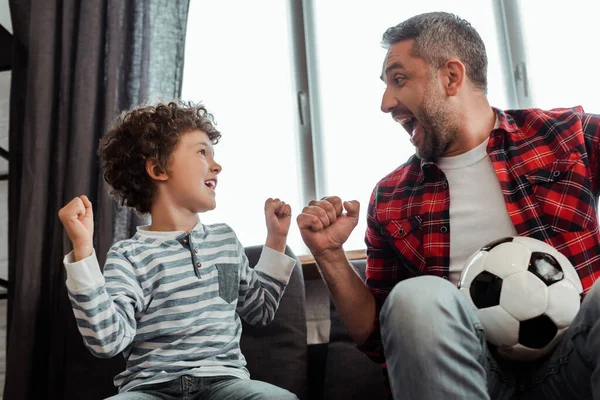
(78, 219)
(278, 216)
(323, 225)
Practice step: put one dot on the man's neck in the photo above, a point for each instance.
(476, 121)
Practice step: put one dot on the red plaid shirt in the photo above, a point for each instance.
(547, 163)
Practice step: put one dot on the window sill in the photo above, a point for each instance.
(309, 266)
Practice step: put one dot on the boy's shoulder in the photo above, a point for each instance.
(217, 232)
(219, 227)
(130, 245)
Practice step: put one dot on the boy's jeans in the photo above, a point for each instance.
(213, 388)
(435, 349)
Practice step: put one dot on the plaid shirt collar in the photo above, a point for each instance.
(506, 124)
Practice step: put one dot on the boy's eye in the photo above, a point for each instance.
(203, 152)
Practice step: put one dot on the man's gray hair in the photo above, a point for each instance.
(440, 36)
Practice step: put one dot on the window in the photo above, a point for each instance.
(562, 55)
(241, 69)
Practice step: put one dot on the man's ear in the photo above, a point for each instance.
(454, 76)
(155, 171)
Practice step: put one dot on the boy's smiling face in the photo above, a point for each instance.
(192, 173)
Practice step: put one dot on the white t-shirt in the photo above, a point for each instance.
(478, 212)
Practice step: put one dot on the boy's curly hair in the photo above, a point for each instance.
(147, 133)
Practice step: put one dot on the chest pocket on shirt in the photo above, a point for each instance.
(406, 237)
(562, 190)
(228, 281)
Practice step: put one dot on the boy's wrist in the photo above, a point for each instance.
(82, 251)
(276, 242)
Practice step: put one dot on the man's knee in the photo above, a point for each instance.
(419, 296)
(423, 300)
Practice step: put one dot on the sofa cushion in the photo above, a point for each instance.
(277, 353)
(349, 373)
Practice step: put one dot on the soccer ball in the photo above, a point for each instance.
(525, 292)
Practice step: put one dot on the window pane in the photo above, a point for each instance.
(362, 144)
(562, 55)
(238, 62)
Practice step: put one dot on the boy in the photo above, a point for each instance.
(171, 297)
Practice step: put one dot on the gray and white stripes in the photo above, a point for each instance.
(171, 302)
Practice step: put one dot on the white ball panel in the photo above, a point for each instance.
(507, 259)
(473, 267)
(563, 303)
(524, 295)
(501, 329)
(534, 244)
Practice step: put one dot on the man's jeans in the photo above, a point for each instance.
(213, 388)
(435, 349)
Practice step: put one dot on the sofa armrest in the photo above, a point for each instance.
(277, 353)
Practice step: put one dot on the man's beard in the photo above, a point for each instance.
(439, 129)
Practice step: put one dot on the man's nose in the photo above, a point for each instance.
(388, 101)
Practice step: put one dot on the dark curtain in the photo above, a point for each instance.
(76, 65)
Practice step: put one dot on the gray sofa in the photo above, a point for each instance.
(278, 353)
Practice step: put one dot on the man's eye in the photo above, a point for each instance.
(399, 81)
(203, 152)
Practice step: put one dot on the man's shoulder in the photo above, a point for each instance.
(530, 120)
(406, 173)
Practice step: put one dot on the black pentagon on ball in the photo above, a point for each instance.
(538, 332)
(545, 267)
(495, 243)
(485, 290)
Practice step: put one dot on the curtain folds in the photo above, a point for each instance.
(76, 65)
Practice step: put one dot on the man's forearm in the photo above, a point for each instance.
(353, 299)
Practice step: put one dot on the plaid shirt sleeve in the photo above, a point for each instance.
(383, 272)
(591, 131)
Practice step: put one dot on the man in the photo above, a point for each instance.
(479, 174)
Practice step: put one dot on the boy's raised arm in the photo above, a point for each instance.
(261, 288)
(104, 305)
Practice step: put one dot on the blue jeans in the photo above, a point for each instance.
(211, 388)
(435, 348)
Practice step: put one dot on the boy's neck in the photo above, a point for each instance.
(173, 220)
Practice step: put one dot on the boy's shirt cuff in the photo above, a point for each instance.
(275, 264)
(83, 275)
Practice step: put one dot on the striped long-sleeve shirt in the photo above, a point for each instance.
(171, 302)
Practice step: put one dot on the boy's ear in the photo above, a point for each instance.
(155, 171)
